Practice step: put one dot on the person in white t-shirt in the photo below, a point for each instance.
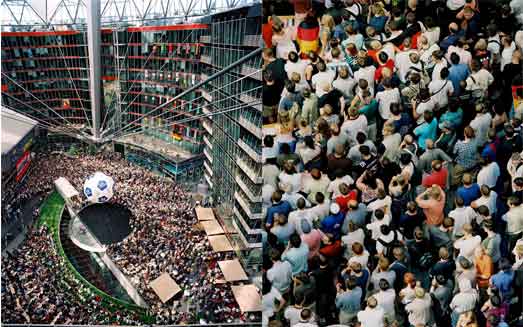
(439, 63)
(269, 299)
(373, 315)
(468, 243)
(462, 215)
(479, 80)
(354, 235)
(441, 89)
(465, 57)
(481, 124)
(427, 51)
(386, 97)
(489, 173)
(419, 310)
(488, 198)
(386, 298)
(366, 72)
(322, 79)
(295, 65)
(425, 103)
(344, 83)
(353, 125)
(404, 63)
(280, 274)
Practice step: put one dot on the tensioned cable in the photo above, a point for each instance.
(207, 115)
(118, 72)
(30, 93)
(119, 103)
(124, 56)
(35, 109)
(74, 84)
(194, 109)
(141, 92)
(193, 100)
(229, 109)
(181, 105)
(50, 127)
(209, 79)
(39, 122)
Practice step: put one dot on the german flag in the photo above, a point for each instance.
(308, 36)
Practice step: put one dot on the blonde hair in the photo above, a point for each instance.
(481, 45)
(328, 21)
(378, 9)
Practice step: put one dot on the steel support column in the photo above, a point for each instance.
(95, 67)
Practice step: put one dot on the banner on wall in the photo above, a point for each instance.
(22, 165)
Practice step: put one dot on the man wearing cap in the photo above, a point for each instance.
(333, 222)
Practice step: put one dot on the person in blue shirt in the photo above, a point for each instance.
(297, 255)
(452, 38)
(454, 116)
(503, 279)
(278, 206)
(332, 223)
(282, 228)
(469, 191)
(427, 130)
(348, 300)
(457, 73)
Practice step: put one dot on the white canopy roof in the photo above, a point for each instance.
(14, 127)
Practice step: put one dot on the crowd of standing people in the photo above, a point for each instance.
(165, 237)
(393, 163)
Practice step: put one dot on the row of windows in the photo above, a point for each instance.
(45, 65)
(234, 31)
(26, 41)
(16, 53)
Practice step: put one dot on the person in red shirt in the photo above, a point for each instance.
(384, 62)
(346, 195)
(438, 175)
(331, 248)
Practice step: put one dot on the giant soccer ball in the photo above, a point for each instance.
(98, 188)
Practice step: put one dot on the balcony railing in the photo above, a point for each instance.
(208, 179)
(252, 71)
(251, 40)
(207, 142)
(251, 127)
(245, 206)
(256, 178)
(206, 153)
(209, 170)
(247, 191)
(207, 127)
(250, 151)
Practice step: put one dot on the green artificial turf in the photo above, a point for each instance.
(50, 212)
